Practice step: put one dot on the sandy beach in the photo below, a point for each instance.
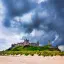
(31, 60)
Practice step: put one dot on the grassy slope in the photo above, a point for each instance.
(45, 51)
(32, 48)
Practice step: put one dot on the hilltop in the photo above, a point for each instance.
(47, 50)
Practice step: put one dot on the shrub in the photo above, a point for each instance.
(32, 54)
(26, 54)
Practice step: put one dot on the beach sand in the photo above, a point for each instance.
(31, 60)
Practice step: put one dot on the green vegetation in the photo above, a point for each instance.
(39, 53)
(31, 50)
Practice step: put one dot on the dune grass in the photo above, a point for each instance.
(39, 53)
(31, 50)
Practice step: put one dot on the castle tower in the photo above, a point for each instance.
(37, 43)
(26, 42)
(49, 43)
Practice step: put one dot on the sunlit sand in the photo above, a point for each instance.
(31, 59)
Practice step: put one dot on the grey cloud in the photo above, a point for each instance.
(19, 7)
(52, 23)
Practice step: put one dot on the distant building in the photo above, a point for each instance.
(25, 43)
(49, 43)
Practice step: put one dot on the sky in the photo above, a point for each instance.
(36, 20)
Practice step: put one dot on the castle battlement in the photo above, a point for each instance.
(25, 43)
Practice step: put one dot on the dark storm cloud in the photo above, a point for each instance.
(48, 16)
(59, 6)
(55, 21)
(19, 7)
(58, 24)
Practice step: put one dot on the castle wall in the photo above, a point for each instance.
(26, 42)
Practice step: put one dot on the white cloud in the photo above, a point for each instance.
(9, 39)
(43, 14)
(26, 18)
(39, 1)
(56, 38)
(61, 47)
(37, 33)
(2, 11)
(17, 18)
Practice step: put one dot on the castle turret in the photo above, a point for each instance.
(26, 42)
(49, 43)
(37, 43)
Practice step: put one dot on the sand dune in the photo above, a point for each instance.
(31, 60)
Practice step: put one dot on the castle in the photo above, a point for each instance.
(25, 43)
